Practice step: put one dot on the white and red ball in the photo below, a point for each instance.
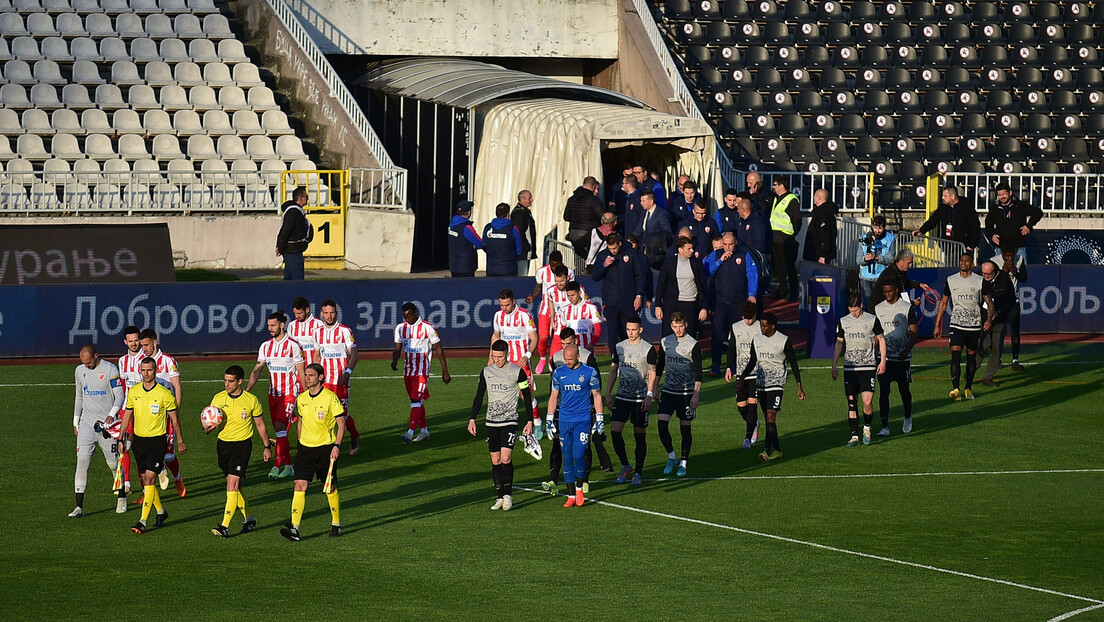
(211, 417)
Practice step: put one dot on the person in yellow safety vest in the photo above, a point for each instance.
(785, 220)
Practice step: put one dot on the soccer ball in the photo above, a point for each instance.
(211, 417)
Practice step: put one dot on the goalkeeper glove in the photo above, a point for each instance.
(599, 425)
(550, 425)
(538, 431)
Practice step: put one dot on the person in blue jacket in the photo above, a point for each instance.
(463, 241)
(623, 277)
(502, 243)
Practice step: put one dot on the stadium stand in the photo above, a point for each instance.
(136, 105)
(904, 89)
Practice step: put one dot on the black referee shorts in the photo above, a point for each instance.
(313, 462)
(149, 452)
(233, 456)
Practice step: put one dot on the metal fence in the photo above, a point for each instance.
(849, 236)
(570, 259)
(377, 188)
(929, 252)
(852, 192)
(1055, 193)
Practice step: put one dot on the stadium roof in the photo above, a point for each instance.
(465, 84)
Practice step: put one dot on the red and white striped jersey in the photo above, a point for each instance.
(582, 318)
(304, 333)
(547, 282)
(166, 368)
(556, 300)
(334, 344)
(417, 341)
(128, 369)
(281, 357)
(515, 328)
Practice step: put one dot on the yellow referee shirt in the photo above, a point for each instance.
(319, 414)
(151, 409)
(240, 412)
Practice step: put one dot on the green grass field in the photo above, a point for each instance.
(988, 510)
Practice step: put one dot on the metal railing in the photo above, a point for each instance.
(570, 259)
(929, 252)
(325, 189)
(337, 86)
(163, 193)
(377, 188)
(849, 235)
(729, 174)
(1055, 193)
(852, 192)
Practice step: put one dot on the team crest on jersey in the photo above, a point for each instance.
(625, 258)
(155, 408)
(581, 378)
(321, 415)
(244, 415)
(101, 376)
(739, 260)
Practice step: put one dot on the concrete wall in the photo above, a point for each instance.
(207, 241)
(327, 123)
(637, 72)
(477, 28)
(378, 240)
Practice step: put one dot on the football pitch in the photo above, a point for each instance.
(990, 509)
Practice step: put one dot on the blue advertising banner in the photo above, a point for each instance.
(224, 317)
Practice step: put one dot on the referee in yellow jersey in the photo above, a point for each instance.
(321, 428)
(150, 405)
(242, 410)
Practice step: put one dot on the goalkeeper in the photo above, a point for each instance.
(501, 382)
(575, 387)
(98, 399)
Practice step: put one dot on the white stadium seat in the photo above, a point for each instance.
(87, 72)
(246, 123)
(41, 25)
(166, 147)
(197, 196)
(125, 73)
(107, 196)
(127, 121)
(147, 171)
(227, 195)
(99, 147)
(261, 98)
(70, 25)
(87, 172)
(56, 49)
(217, 75)
(13, 196)
(144, 50)
(272, 170)
(30, 146)
(20, 171)
(201, 147)
(65, 120)
(65, 146)
(109, 97)
(129, 26)
(217, 123)
(44, 195)
(99, 26)
(84, 7)
(214, 165)
(232, 98)
(246, 75)
(290, 148)
(158, 73)
(188, 26)
(45, 96)
(231, 147)
(202, 6)
(188, 74)
(216, 26)
(113, 49)
(142, 97)
(85, 48)
(5, 51)
(14, 96)
(18, 72)
(144, 7)
(9, 122)
(203, 51)
(48, 72)
(137, 196)
(187, 123)
(115, 7)
(167, 196)
(244, 165)
(232, 51)
(202, 97)
(174, 51)
(260, 148)
(36, 121)
(26, 49)
(172, 7)
(157, 122)
(94, 121)
(57, 6)
(174, 97)
(26, 7)
(56, 170)
(76, 97)
(6, 152)
(11, 25)
(77, 195)
(159, 26)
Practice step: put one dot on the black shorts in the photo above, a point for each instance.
(770, 399)
(233, 456)
(858, 381)
(627, 410)
(678, 405)
(313, 462)
(504, 437)
(746, 389)
(149, 452)
(967, 338)
(897, 371)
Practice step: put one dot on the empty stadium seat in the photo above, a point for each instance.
(144, 50)
(187, 123)
(175, 51)
(172, 97)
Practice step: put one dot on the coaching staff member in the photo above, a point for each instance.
(622, 272)
(295, 234)
(463, 241)
(502, 243)
(681, 287)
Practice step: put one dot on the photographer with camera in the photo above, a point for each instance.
(876, 251)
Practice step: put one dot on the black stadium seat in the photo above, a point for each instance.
(1058, 78)
(966, 56)
(1037, 124)
(735, 11)
(809, 102)
(1049, 167)
(1042, 148)
(778, 33)
(846, 57)
(984, 11)
(808, 33)
(905, 56)
(834, 149)
(851, 125)
(764, 10)
(994, 56)
(921, 13)
(1064, 101)
(1021, 33)
(972, 148)
(1053, 34)
(1074, 149)
(871, 33)
(798, 79)
(863, 11)
(1094, 125)
(727, 57)
(943, 125)
(903, 148)
(973, 125)
(1029, 78)
(762, 125)
(960, 78)
(898, 79)
(881, 126)
(1053, 56)
(993, 77)
(958, 33)
(722, 103)
(931, 34)
(1069, 125)
(1001, 101)
(912, 125)
(1079, 12)
(838, 33)
(1026, 55)
(843, 101)
(792, 125)
(1007, 148)
(1007, 124)
(1016, 12)
(710, 79)
(1081, 34)
(692, 34)
(822, 125)
(757, 56)
(907, 102)
(735, 123)
(698, 56)
(750, 101)
(1089, 78)
(892, 11)
(1047, 13)
(967, 101)
(737, 79)
(869, 79)
(678, 10)
(707, 10)
(929, 78)
(718, 33)
(875, 102)
(780, 102)
(830, 11)
(786, 57)
(803, 150)
(773, 150)
(971, 166)
(1092, 101)
(1086, 56)
(868, 149)
(934, 57)
(832, 79)
(816, 57)
(1033, 101)
(989, 32)
(936, 149)
(797, 11)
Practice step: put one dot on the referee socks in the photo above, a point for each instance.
(231, 507)
(335, 507)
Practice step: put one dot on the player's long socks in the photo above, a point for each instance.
(507, 473)
(283, 448)
(665, 437)
(687, 441)
(555, 462)
(772, 437)
(496, 474)
(335, 507)
(752, 421)
(868, 416)
(80, 499)
(853, 421)
(173, 465)
(883, 401)
(588, 458)
(641, 450)
(956, 367)
(242, 506)
(350, 425)
(231, 507)
(619, 447)
(743, 412)
(906, 398)
(971, 367)
(298, 501)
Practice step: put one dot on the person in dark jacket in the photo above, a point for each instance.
(522, 217)
(502, 243)
(681, 287)
(750, 231)
(726, 216)
(630, 220)
(654, 230)
(735, 281)
(649, 281)
(761, 198)
(785, 222)
(820, 237)
(648, 182)
(702, 228)
(623, 278)
(954, 219)
(463, 241)
(583, 212)
(1010, 220)
(294, 235)
(680, 209)
(897, 273)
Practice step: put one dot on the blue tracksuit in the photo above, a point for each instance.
(575, 401)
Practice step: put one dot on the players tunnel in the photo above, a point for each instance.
(471, 130)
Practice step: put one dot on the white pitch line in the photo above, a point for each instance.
(1069, 614)
(1096, 603)
(852, 475)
